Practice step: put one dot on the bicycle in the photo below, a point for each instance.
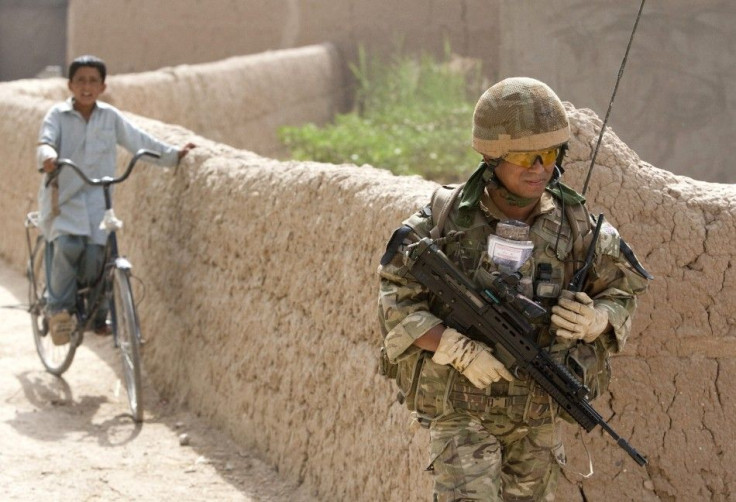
(113, 281)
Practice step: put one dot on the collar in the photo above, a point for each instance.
(68, 105)
(545, 205)
(489, 208)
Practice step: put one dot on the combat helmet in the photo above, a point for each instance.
(518, 114)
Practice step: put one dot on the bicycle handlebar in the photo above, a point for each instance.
(106, 180)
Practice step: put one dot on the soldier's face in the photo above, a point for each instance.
(528, 182)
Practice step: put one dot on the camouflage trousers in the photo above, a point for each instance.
(482, 457)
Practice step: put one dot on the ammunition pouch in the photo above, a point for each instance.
(422, 384)
(432, 390)
(588, 362)
(405, 372)
(385, 367)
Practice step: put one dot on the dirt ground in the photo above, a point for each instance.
(72, 438)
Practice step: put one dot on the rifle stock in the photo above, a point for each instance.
(500, 318)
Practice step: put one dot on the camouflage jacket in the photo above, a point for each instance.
(407, 310)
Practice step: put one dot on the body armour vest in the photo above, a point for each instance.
(560, 235)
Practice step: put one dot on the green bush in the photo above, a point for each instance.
(411, 116)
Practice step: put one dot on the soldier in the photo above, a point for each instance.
(494, 436)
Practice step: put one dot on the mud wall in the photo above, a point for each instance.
(260, 294)
(241, 101)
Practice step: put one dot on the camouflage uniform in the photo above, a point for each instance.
(501, 443)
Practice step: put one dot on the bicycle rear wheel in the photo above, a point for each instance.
(56, 358)
(127, 330)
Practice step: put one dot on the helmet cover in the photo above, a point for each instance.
(519, 114)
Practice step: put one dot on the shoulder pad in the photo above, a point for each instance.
(633, 261)
(418, 223)
(608, 240)
(419, 220)
(566, 194)
(396, 240)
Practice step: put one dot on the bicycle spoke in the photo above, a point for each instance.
(128, 337)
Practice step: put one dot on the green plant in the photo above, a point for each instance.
(412, 115)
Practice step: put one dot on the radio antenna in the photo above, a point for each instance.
(613, 96)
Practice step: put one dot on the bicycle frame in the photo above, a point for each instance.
(113, 260)
(100, 288)
(112, 284)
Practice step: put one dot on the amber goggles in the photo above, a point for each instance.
(527, 159)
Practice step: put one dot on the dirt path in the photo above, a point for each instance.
(70, 438)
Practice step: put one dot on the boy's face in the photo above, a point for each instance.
(86, 86)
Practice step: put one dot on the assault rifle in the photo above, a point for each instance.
(502, 318)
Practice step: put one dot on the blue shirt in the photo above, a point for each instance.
(92, 146)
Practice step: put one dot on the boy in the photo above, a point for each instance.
(86, 131)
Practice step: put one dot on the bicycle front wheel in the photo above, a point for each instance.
(127, 330)
(56, 358)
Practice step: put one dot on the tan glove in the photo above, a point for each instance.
(577, 318)
(472, 359)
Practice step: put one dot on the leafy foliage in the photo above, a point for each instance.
(411, 116)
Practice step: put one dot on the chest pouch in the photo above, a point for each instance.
(548, 282)
(510, 247)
